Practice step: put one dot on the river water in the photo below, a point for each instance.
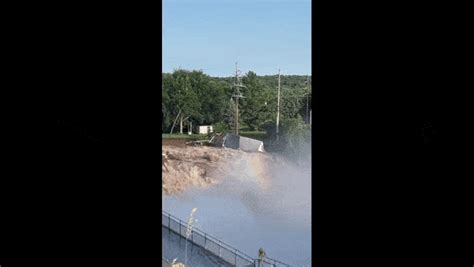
(255, 206)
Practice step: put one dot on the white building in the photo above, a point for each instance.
(205, 129)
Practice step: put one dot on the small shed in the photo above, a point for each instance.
(205, 129)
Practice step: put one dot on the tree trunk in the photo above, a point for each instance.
(181, 125)
(174, 123)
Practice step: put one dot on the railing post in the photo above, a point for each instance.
(205, 240)
(235, 252)
(219, 244)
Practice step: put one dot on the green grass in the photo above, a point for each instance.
(259, 135)
(184, 136)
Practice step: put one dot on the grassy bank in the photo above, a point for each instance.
(250, 134)
(184, 136)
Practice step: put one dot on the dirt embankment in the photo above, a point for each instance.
(174, 142)
(186, 166)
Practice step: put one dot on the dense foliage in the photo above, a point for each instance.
(194, 98)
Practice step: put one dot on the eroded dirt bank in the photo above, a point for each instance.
(201, 166)
(186, 166)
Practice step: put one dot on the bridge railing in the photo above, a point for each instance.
(165, 263)
(215, 246)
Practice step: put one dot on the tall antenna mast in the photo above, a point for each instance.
(237, 95)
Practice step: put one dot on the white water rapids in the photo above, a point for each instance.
(262, 201)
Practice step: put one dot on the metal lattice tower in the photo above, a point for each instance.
(237, 85)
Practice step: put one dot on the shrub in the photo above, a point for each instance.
(221, 127)
(294, 137)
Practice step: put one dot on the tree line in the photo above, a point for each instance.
(191, 98)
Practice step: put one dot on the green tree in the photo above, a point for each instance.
(193, 96)
(254, 106)
(183, 99)
(165, 116)
(212, 98)
(229, 114)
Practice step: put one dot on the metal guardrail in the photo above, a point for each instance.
(165, 263)
(215, 246)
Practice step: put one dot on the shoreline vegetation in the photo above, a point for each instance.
(193, 98)
(259, 135)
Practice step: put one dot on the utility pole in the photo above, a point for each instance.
(236, 102)
(278, 107)
(307, 100)
(307, 110)
(237, 95)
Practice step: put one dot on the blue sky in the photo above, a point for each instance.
(261, 35)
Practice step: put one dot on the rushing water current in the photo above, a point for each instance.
(256, 206)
